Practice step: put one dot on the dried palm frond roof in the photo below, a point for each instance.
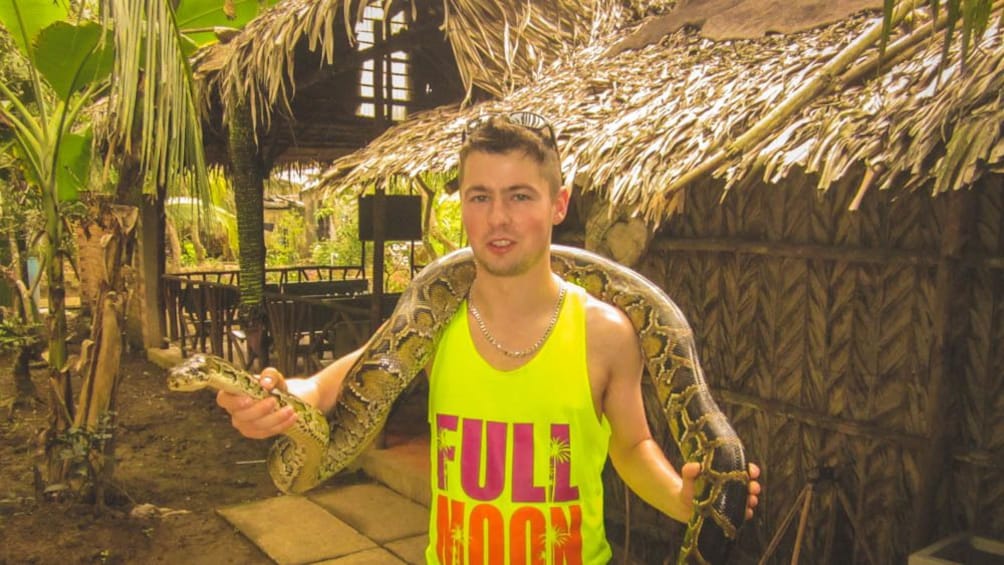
(498, 44)
(502, 45)
(258, 63)
(632, 122)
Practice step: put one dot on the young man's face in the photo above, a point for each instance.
(508, 211)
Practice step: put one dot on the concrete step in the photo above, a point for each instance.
(403, 466)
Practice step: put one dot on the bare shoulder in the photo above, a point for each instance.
(608, 328)
(613, 353)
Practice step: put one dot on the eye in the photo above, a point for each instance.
(522, 197)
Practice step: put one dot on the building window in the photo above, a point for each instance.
(385, 81)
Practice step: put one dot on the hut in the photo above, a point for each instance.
(312, 80)
(842, 270)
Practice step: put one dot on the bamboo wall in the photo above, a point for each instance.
(866, 342)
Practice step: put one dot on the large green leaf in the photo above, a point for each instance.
(74, 165)
(72, 56)
(35, 15)
(207, 14)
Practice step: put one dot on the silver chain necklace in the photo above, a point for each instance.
(533, 348)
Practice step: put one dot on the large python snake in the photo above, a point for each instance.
(306, 456)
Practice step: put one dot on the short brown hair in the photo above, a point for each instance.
(499, 135)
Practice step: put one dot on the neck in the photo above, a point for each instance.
(515, 296)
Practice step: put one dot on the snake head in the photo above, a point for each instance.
(191, 374)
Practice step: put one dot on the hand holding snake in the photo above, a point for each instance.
(306, 454)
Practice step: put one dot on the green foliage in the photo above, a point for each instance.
(154, 86)
(69, 56)
(449, 222)
(973, 15)
(73, 171)
(25, 19)
(284, 244)
(196, 19)
(13, 67)
(16, 335)
(339, 251)
(187, 213)
(63, 59)
(189, 258)
(343, 246)
(20, 205)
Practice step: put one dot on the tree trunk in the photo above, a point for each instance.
(53, 468)
(175, 242)
(200, 250)
(102, 353)
(247, 175)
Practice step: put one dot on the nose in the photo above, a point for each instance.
(498, 213)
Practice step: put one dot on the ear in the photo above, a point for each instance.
(561, 205)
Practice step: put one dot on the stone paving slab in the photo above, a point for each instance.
(292, 530)
(375, 511)
(412, 549)
(378, 556)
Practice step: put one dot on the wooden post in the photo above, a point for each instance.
(935, 460)
(379, 231)
(376, 304)
(151, 243)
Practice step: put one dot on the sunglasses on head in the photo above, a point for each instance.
(529, 120)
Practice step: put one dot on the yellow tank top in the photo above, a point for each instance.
(516, 456)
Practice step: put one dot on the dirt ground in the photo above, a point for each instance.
(174, 451)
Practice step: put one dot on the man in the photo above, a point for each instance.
(532, 385)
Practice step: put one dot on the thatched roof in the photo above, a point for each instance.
(498, 44)
(631, 122)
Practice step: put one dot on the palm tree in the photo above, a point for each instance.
(67, 67)
(553, 539)
(247, 171)
(70, 61)
(457, 537)
(446, 449)
(559, 451)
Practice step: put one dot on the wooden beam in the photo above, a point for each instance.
(348, 62)
(867, 255)
(815, 419)
(934, 460)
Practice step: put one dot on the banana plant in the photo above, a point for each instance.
(69, 63)
(134, 61)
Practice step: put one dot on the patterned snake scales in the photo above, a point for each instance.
(306, 455)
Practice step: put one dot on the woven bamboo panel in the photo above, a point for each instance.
(846, 341)
(842, 339)
(978, 493)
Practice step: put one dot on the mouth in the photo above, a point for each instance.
(501, 244)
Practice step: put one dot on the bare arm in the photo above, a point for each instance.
(638, 459)
(615, 353)
(261, 419)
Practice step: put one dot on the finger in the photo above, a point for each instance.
(267, 425)
(754, 487)
(233, 402)
(276, 422)
(270, 378)
(754, 470)
(690, 470)
(255, 411)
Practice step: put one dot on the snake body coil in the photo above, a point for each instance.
(306, 456)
